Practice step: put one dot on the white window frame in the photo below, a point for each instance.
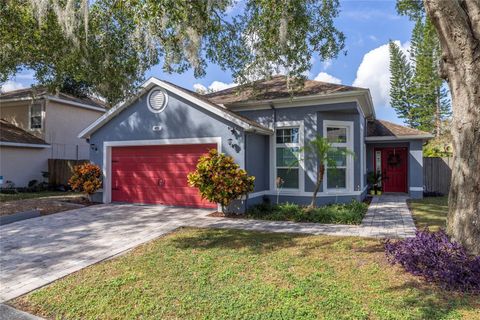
(42, 115)
(273, 156)
(349, 145)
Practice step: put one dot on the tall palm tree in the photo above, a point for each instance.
(324, 153)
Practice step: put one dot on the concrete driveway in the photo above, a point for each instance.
(38, 251)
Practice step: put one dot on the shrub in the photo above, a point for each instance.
(219, 179)
(433, 256)
(350, 213)
(86, 178)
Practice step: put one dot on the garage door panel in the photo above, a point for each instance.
(190, 160)
(157, 174)
(153, 167)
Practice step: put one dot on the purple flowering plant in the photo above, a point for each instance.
(436, 258)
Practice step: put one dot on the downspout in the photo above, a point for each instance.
(272, 106)
(245, 161)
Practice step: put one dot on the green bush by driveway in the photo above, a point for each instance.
(351, 213)
(228, 274)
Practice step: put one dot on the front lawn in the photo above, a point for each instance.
(351, 213)
(430, 212)
(28, 195)
(228, 274)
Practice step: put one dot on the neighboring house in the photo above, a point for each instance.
(55, 120)
(147, 146)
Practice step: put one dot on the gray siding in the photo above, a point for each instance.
(181, 119)
(415, 172)
(257, 160)
(313, 117)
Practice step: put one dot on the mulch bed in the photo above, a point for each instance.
(47, 205)
(218, 214)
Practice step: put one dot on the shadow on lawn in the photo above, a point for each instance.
(433, 302)
(255, 242)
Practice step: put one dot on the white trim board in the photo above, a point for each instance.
(416, 188)
(392, 138)
(107, 155)
(305, 193)
(55, 99)
(25, 145)
(150, 83)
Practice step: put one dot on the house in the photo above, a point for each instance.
(37, 126)
(147, 145)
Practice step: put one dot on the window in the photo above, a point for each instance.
(287, 150)
(339, 134)
(36, 116)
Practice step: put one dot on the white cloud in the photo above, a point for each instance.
(11, 85)
(213, 87)
(325, 77)
(218, 85)
(326, 64)
(200, 88)
(373, 38)
(374, 73)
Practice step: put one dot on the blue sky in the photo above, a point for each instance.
(368, 26)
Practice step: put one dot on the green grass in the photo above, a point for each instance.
(351, 213)
(227, 274)
(29, 195)
(430, 212)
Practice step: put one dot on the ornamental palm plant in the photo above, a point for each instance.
(324, 153)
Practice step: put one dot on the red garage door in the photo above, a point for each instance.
(157, 174)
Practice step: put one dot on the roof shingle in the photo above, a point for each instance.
(382, 128)
(13, 134)
(275, 88)
(41, 92)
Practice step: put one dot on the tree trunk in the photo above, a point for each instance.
(458, 25)
(320, 173)
(438, 120)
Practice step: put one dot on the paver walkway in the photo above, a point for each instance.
(38, 251)
(389, 217)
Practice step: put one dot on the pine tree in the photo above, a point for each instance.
(400, 85)
(418, 94)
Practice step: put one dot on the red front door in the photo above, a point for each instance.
(394, 169)
(157, 174)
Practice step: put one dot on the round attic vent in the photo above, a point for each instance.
(157, 100)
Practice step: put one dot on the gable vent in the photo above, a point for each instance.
(157, 100)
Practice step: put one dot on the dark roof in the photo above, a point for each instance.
(275, 88)
(41, 92)
(233, 114)
(382, 128)
(13, 134)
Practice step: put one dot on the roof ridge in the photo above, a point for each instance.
(266, 79)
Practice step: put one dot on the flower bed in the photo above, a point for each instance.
(433, 256)
(350, 213)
